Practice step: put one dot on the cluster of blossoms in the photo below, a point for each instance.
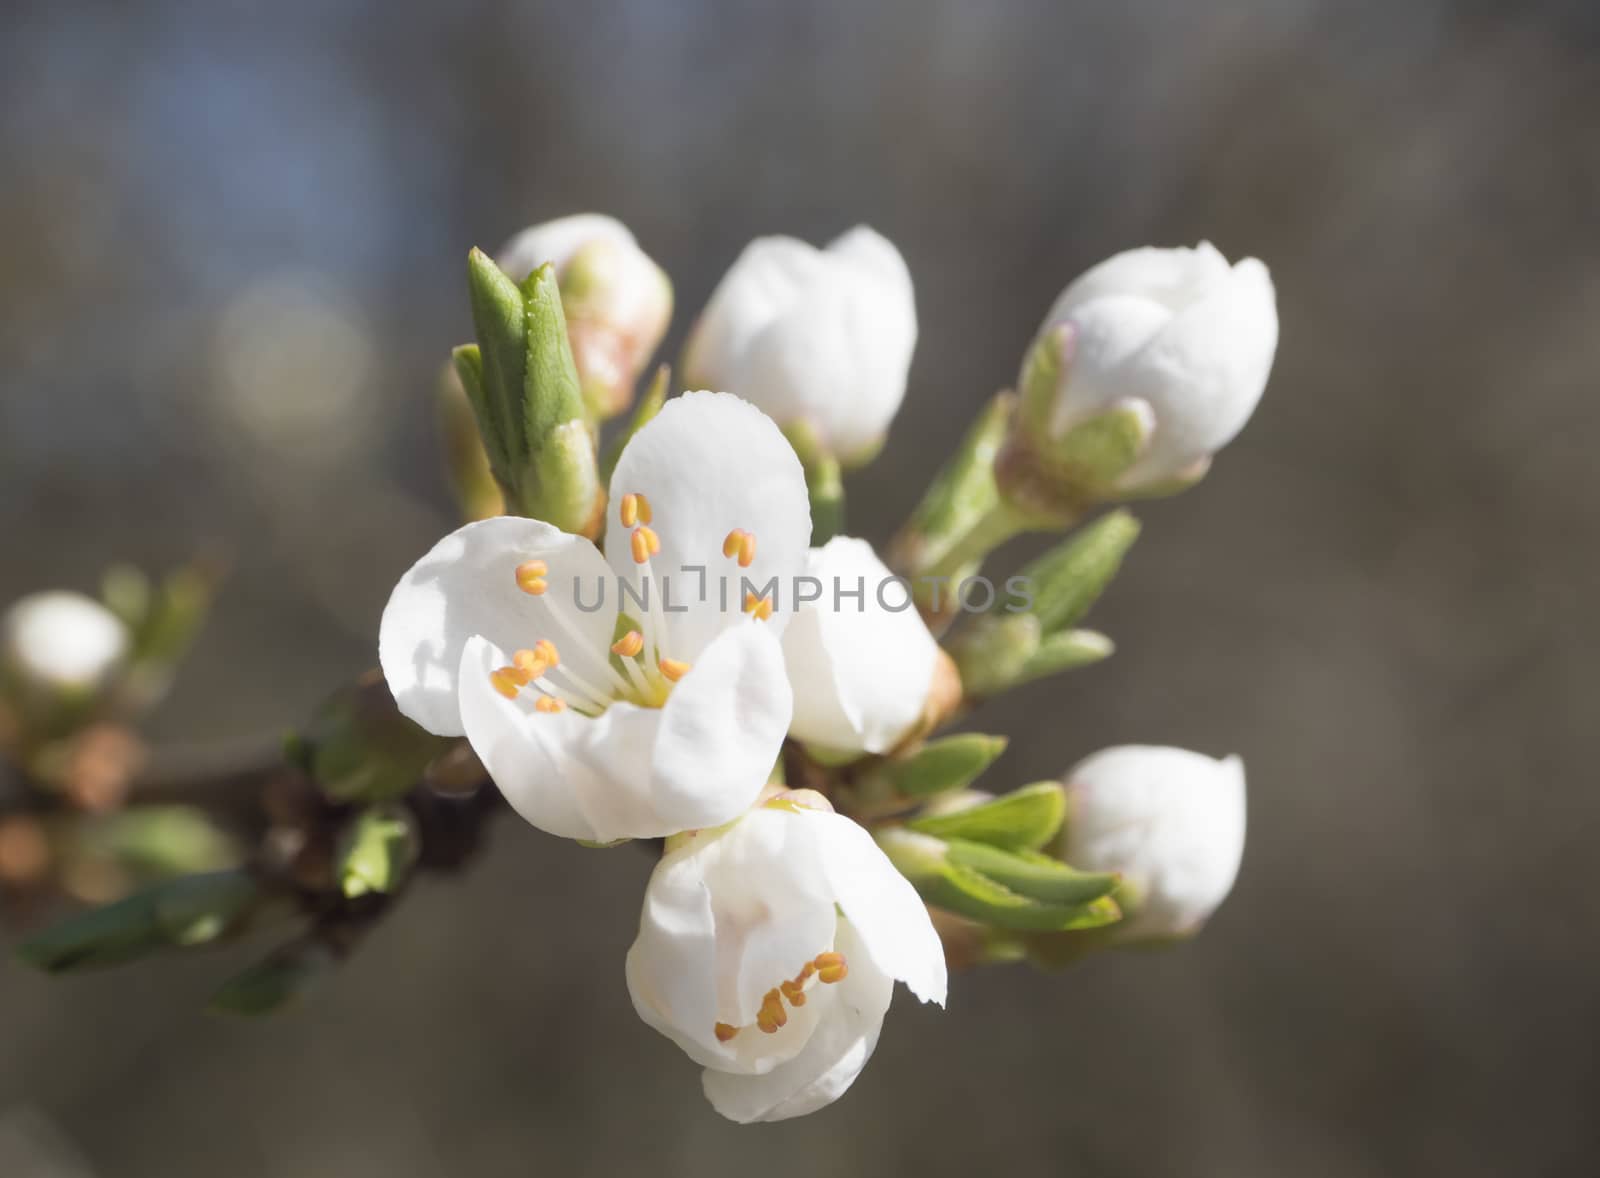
(774, 927)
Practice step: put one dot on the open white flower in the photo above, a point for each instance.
(1176, 332)
(634, 694)
(617, 301)
(1170, 820)
(819, 338)
(860, 658)
(768, 951)
(63, 641)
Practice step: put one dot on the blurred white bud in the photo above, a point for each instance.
(860, 658)
(1170, 820)
(817, 339)
(617, 301)
(63, 641)
(1176, 340)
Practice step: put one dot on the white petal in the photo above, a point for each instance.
(703, 758)
(530, 755)
(467, 586)
(1109, 331)
(1204, 374)
(672, 964)
(707, 464)
(1172, 821)
(833, 1057)
(556, 241)
(885, 909)
(728, 917)
(860, 671)
(1172, 277)
(762, 284)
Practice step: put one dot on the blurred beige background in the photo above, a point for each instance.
(231, 258)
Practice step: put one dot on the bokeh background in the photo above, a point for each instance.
(231, 261)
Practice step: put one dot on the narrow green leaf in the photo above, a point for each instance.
(1025, 819)
(1065, 582)
(1031, 874)
(274, 983)
(499, 317)
(948, 764)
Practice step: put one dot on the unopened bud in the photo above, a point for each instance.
(1146, 366)
(618, 302)
(61, 642)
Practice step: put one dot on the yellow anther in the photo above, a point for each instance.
(760, 606)
(831, 967)
(730, 546)
(794, 992)
(772, 1015)
(724, 1032)
(629, 644)
(503, 682)
(645, 514)
(747, 550)
(529, 663)
(673, 669)
(550, 704)
(545, 651)
(530, 576)
(645, 544)
(629, 510)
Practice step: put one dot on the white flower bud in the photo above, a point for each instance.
(1176, 336)
(63, 641)
(617, 301)
(860, 658)
(1170, 820)
(817, 339)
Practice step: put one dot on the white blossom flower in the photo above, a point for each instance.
(63, 641)
(634, 694)
(819, 338)
(1170, 820)
(860, 658)
(1176, 331)
(768, 951)
(617, 301)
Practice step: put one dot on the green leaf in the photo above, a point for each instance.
(499, 316)
(1095, 453)
(275, 983)
(1025, 819)
(1066, 581)
(1066, 651)
(359, 748)
(1039, 877)
(948, 764)
(177, 913)
(551, 395)
(944, 880)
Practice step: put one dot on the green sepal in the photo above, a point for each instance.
(1067, 580)
(177, 913)
(275, 983)
(376, 851)
(1093, 454)
(1025, 819)
(953, 762)
(649, 405)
